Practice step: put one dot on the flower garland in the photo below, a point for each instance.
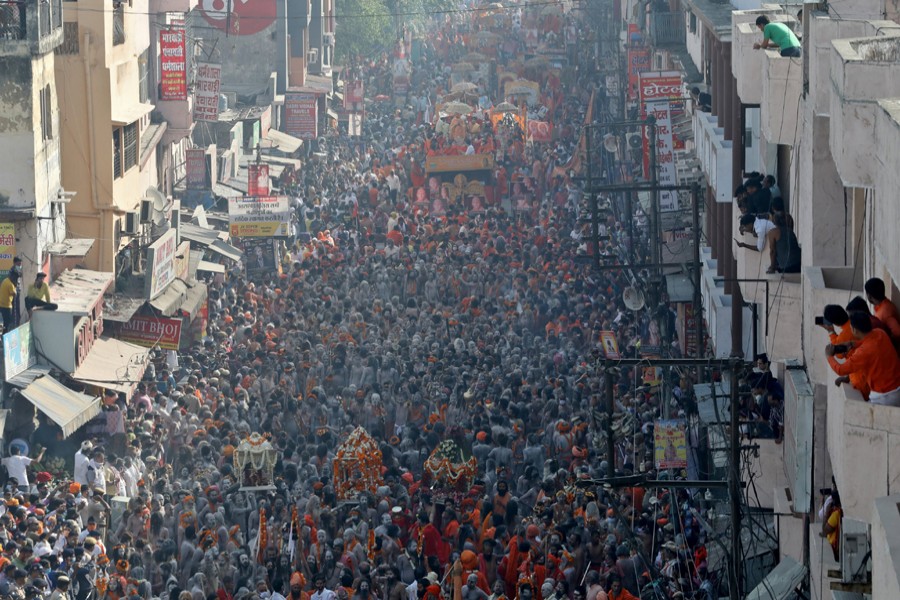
(263, 538)
(357, 465)
(447, 466)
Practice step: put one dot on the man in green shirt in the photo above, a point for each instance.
(777, 35)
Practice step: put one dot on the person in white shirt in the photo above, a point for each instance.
(759, 226)
(393, 183)
(96, 471)
(81, 462)
(17, 465)
(322, 593)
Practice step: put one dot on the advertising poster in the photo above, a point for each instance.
(301, 115)
(172, 65)
(206, 94)
(260, 255)
(150, 332)
(244, 18)
(195, 168)
(670, 444)
(354, 96)
(261, 216)
(665, 154)
(18, 351)
(7, 247)
(160, 264)
(639, 60)
(257, 180)
(540, 131)
(610, 345)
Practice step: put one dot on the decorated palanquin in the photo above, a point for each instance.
(447, 471)
(357, 466)
(254, 463)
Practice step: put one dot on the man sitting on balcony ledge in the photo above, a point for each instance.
(777, 35)
(873, 357)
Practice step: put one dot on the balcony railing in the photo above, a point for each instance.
(667, 29)
(30, 26)
(12, 20)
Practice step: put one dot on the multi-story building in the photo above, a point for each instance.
(827, 126)
(108, 139)
(32, 198)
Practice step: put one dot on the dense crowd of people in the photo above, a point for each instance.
(480, 327)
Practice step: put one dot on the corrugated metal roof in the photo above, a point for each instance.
(77, 290)
(113, 364)
(226, 250)
(781, 582)
(67, 408)
(194, 298)
(171, 299)
(283, 142)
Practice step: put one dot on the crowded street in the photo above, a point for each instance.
(410, 404)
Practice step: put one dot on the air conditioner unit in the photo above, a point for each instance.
(635, 140)
(312, 55)
(132, 223)
(328, 38)
(854, 551)
(146, 210)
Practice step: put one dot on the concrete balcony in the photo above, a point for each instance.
(886, 548)
(777, 295)
(718, 304)
(747, 63)
(823, 29)
(782, 87)
(886, 208)
(30, 27)
(715, 155)
(821, 286)
(863, 70)
(178, 114)
(863, 438)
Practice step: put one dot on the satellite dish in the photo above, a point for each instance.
(611, 143)
(633, 298)
(159, 205)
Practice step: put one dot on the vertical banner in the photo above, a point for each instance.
(257, 179)
(301, 117)
(639, 59)
(665, 154)
(206, 96)
(195, 168)
(354, 124)
(662, 87)
(670, 443)
(354, 96)
(172, 65)
(7, 247)
(610, 345)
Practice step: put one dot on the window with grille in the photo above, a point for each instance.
(117, 152)
(46, 113)
(125, 149)
(118, 24)
(144, 76)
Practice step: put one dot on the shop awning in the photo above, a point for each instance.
(24, 379)
(113, 364)
(67, 408)
(194, 299)
(74, 248)
(320, 84)
(120, 308)
(283, 142)
(171, 299)
(125, 114)
(201, 235)
(211, 267)
(226, 250)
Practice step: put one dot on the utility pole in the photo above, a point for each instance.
(592, 197)
(696, 275)
(655, 242)
(734, 492)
